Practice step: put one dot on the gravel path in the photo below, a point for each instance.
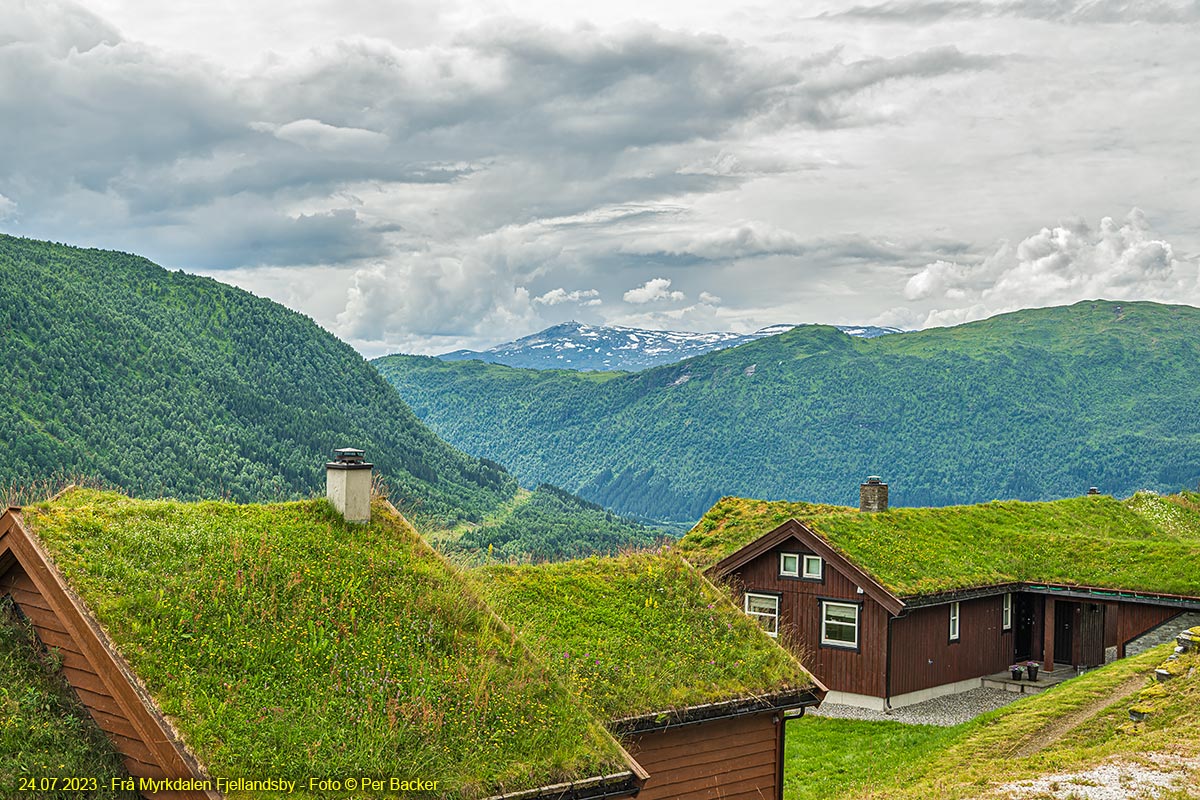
(951, 709)
(1113, 781)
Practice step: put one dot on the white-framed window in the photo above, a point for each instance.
(789, 565)
(839, 624)
(954, 622)
(765, 609)
(1006, 614)
(814, 568)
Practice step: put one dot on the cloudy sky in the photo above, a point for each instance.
(420, 176)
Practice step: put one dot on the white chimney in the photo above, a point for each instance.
(348, 484)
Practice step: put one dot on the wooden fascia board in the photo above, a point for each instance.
(139, 708)
(7, 558)
(794, 528)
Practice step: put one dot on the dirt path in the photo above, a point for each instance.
(1052, 733)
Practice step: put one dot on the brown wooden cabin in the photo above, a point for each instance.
(875, 649)
(100, 677)
(721, 751)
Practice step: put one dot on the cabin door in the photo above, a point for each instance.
(1089, 632)
(1064, 632)
(1023, 610)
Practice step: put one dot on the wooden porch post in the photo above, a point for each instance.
(1048, 631)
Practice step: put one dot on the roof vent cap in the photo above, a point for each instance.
(348, 455)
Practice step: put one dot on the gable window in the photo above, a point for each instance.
(789, 565)
(813, 568)
(765, 609)
(1006, 614)
(954, 622)
(839, 624)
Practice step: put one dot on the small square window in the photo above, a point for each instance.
(789, 565)
(765, 609)
(1006, 614)
(954, 622)
(813, 568)
(839, 624)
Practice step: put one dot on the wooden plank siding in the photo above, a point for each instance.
(730, 759)
(923, 655)
(1134, 619)
(100, 679)
(859, 671)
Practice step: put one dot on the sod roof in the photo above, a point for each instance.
(283, 642)
(640, 633)
(1147, 543)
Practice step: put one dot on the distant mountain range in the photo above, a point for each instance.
(1033, 405)
(574, 345)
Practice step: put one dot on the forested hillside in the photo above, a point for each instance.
(170, 384)
(1036, 404)
(549, 524)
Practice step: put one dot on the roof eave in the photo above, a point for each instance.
(618, 784)
(708, 712)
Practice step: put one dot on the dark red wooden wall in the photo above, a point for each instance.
(859, 672)
(730, 759)
(923, 655)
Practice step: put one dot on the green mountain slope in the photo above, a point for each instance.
(1036, 404)
(173, 384)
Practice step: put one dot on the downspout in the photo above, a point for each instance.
(887, 668)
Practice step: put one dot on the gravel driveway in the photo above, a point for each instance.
(951, 709)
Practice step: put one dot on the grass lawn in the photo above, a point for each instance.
(831, 759)
(827, 758)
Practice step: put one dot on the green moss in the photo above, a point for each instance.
(44, 731)
(639, 633)
(1146, 543)
(284, 642)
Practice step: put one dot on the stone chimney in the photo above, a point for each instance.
(872, 495)
(348, 484)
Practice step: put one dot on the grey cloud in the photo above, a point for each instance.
(54, 25)
(756, 239)
(1066, 11)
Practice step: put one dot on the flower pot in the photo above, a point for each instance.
(1016, 674)
(1033, 671)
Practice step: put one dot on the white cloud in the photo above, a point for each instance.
(1060, 265)
(8, 208)
(710, 299)
(652, 291)
(587, 297)
(316, 135)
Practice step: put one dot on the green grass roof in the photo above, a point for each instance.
(734, 522)
(1146, 543)
(639, 633)
(284, 642)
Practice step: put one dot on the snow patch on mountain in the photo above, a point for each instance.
(578, 346)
